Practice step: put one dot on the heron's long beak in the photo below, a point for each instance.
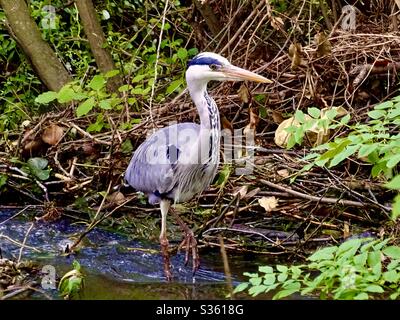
(236, 73)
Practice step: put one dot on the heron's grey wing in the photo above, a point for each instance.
(153, 164)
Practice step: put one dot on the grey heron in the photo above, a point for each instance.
(180, 161)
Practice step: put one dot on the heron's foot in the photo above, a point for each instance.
(190, 244)
(165, 254)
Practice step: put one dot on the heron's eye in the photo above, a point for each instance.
(213, 67)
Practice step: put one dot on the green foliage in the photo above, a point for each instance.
(133, 49)
(314, 119)
(395, 185)
(72, 282)
(358, 269)
(376, 142)
(37, 167)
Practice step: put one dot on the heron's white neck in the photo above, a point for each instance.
(206, 106)
(210, 127)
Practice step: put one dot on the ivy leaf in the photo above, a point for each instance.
(37, 166)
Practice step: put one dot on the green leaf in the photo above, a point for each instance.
(374, 258)
(352, 244)
(374, 288)
(391, 276)
(256, 281)
(392, 251)
(174, 85)
(3, 180)
(192, 52)
(281, 268)
(384, 105)
(37, 166)
(256, 290)
(241, 287)
(286, 292)
(97, 82)
(111, 73)
(138, 78)
(266, 269)
(323, 254)
(396, 208)
(361, 296)
(37, 163)
(46, 97)
(123, 88)
(331, 114)
(361, 259)
(105, 104)
(85, 107)
(394, 183)
(376, 114)
(269, 279)
(66, 94)
(282, 277)
(182, 53)
(393, 161)
(349, 151)
(394, 113)
(250, 275)
(127, 147)
(299, 116)
(345, 119)
(366, 149)
(76, 265)
(314, 112)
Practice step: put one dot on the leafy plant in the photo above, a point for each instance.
(358, 269)
(376, 142)
(72, 282)
(316, 121)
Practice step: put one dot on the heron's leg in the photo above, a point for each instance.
(189, 242)
(164, 206)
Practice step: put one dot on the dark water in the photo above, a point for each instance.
(116, 267)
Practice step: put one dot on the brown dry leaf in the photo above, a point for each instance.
(268, 203)
(252, 193)
(53, 134)
(226, 124)
(277, 117)
(346, 230)
(276, 23)
(283, 173)
(32, 147)
(244, 94)
(241, 191)
(281, 135)
(295, 54)
(254, 119)
(398, 3)
(324, 46)
(116, 198)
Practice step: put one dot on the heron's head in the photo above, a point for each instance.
(207, 66)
